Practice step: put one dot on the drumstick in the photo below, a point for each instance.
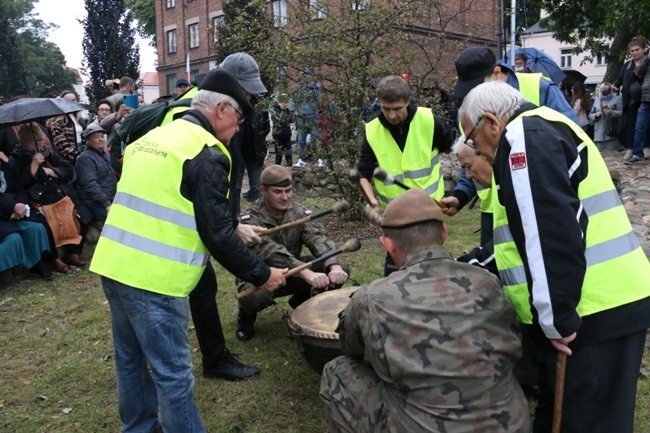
(355, 177)
(372, 215)
(350, 246)
(337, 209)
(384, 176)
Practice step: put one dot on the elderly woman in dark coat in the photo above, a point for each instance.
(22, 242)
(96, 180)
(43, 173)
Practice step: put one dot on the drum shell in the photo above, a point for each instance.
(317, 340)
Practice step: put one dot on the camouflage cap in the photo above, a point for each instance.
(412, 207)
(276, 175)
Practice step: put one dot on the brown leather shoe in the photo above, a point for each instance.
(61, 266)
(74, 260)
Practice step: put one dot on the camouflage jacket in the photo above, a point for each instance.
(283, 249)
(443, 337)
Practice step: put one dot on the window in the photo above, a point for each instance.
(601, 59)
(171, 84)
(280, 13)
(317, 9)
(171, 41)
(565, 58)
(359, 5)
(217, 23)
(170, 3)
(193, 31)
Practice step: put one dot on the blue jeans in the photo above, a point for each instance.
(305, 128)
(152, 358)
(254, 169)
(641, 129)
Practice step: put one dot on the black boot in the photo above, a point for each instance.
(245, 326)
(230, 368)
(39, 268)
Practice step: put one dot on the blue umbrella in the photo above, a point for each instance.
(538, 61)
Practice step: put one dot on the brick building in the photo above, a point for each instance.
(184, 30)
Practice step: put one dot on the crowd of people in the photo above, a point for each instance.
(47, 163)
(436, 344)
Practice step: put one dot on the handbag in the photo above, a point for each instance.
(612, 126)
(62, 219)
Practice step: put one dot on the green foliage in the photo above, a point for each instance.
(28, 63)
(583, 23)
(145, 12)
(109, 45)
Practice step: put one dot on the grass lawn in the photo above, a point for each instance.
(57, 367)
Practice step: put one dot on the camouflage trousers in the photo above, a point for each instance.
(352, 394)
(358, 401)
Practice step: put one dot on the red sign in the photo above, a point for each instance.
(518, 161)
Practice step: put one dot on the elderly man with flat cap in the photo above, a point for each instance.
(429, 348)
(169, 215)
(283, 248)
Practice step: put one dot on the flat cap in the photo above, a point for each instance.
(276, 175)
(472, 66)
(245, 69)
(222, 82)
(412, 207)
(92, 128)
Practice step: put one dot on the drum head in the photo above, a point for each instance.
(318, 317)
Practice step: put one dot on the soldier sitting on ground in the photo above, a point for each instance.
(429, 348)
(275, 208)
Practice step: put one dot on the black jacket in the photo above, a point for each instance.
(96, 181)
(631, 91)
(205, 183)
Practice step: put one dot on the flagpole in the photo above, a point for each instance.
(513, 29)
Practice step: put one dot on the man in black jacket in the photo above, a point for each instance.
(248, 146)
(154, 247)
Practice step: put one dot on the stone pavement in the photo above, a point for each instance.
(633, 184)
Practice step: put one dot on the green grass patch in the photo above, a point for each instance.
(58, 373)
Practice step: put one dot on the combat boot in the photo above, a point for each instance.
(230, 368)
(245, 325)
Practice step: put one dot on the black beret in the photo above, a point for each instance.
(222, 82)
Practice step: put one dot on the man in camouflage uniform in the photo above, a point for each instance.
(429, 348)
(275, 208)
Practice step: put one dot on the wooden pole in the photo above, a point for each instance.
(560, 371)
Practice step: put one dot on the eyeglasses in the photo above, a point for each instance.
(471, 133)
(103, 109)
(240, 115)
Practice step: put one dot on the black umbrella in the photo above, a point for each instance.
(25, 109)
(572, 76)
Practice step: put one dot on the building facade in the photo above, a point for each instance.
(185, 36)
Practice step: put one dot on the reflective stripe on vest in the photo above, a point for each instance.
(150, 239)
(617, 268)
(417, 167)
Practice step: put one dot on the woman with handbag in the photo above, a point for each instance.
(44, 174)
(606, 116)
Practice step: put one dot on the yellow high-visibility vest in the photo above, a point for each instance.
(417, 167)
(150, 239)
(617, 269)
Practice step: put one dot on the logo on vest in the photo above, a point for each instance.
(518, 161)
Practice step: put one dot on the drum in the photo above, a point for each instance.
(313, 324)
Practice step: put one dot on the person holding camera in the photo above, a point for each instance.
(605, 115)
